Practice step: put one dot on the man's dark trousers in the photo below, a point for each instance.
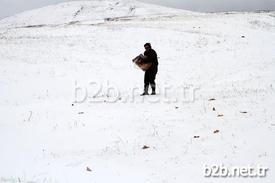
(149, 78)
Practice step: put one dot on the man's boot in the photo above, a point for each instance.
(153, 89)
(145, 90)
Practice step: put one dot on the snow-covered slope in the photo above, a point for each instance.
(86, 11)
(50, 58)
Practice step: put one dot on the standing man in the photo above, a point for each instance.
(150, 74)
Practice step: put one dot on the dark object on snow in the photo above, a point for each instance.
(145, 147)
(243, 112)
(216, 131)
(196, 137)
(212, 99)
(243, 36)
(220, 115)
(88, 169)
(214, 109)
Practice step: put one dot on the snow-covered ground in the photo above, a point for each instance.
(51, 57)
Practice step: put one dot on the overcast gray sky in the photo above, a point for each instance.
(11, 7)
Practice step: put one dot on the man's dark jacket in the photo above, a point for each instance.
(152, 57)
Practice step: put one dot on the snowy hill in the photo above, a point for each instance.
(86, 11)
(217, 68)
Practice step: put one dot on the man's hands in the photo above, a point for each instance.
(143, 56)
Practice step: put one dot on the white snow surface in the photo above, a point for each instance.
(51, 56)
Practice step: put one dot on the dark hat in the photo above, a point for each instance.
(148, 44)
